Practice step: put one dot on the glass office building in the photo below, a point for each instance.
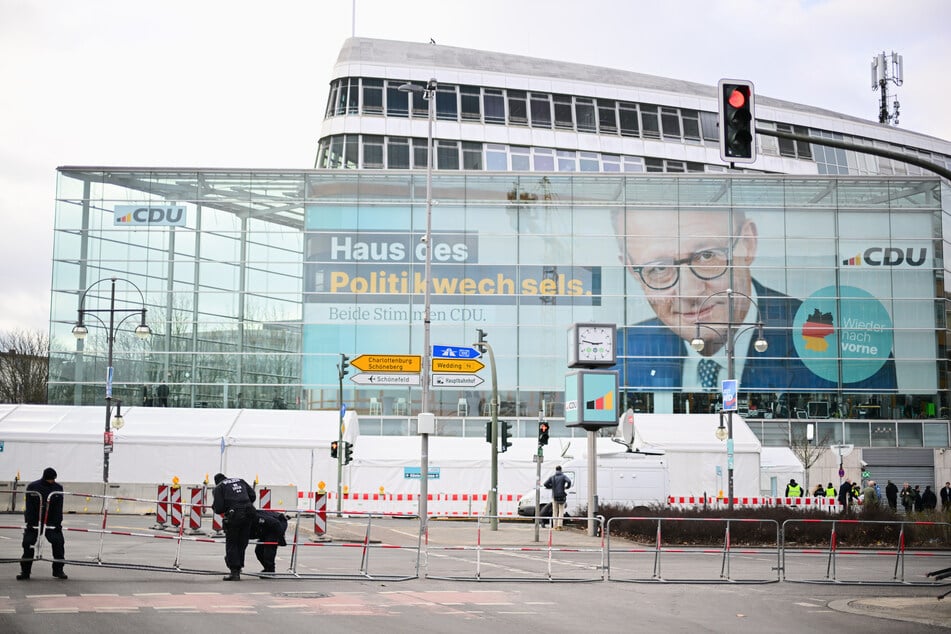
(256, 281)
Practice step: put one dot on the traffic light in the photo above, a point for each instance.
(344, 366)
(505, 430)
(542, 434)
(333, 449)
(347, 453)
(488, 431)
(737, 124)
(482, 335)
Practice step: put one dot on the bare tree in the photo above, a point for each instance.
(808, 451)
(24, 366)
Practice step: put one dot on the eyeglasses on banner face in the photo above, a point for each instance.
(706, 264)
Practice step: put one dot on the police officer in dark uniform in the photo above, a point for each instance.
(234, 500)
(43, 510)
(269, 527)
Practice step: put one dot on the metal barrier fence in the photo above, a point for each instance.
(725, 552)
(107, 553)
(490, 556)
(391, 547)
(868, 570)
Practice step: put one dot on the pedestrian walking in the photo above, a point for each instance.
(559, 484)
(268, 528)
(929, 501)
(43, 512)
(946, 496)
(870, 495)
(891, 494)
(234, 499)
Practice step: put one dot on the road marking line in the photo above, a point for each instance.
(46, 596)
(105, 594)
(807, 605)
(190, 608)
(202, 594)
(290, 605)
(57, 610)
(152, 594)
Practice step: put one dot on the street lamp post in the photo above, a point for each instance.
(429, 95)
(760, 345)
(80, 331)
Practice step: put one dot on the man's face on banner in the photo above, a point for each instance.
(682, 258)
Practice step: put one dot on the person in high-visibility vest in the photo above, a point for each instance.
(793, 490)
(830, 491)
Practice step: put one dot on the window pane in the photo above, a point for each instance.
(420, 105)
(607, 116)
(397, 101)
(567, 161)
(563, 118)
(494, 105)
(471, 156)
(649, 122)
(909, 435)
(518, 107)
(935, 434)
(708, 123)
(584, 115)
(471, 102)
(373, 152)
(353, 101)
(627, 113)
(397, 153)
(521, 161)
(447, 155)
(670, 119)
(589, 162)
(544, 160)
(446, 105)
(633, 164)
(610, 163)
(655, 165)
(541, 110)
(351, 150)
(332, 99)
(373, 96)
(496, 158)
(419, 153)
(691, 124)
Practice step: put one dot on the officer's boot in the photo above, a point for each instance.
(234, 576)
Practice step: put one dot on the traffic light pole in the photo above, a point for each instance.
(483, 346)
(341, 372)
(539, 458)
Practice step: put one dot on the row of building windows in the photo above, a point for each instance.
(520, 108)
(366, 151)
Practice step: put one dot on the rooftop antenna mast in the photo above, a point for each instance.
(887, 69)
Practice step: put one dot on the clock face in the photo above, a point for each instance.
(595, 343)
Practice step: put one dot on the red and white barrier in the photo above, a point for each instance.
(264, 499)
(320, 514)
(161, 507)
(175, 502)
(195, 510)
(799, 502)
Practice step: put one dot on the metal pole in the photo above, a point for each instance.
(430, 95)
(539, 458)
(110, 335)
(340, 450)
(592, 478)
(494, 480)
(730, 371)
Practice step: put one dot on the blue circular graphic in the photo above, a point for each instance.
(852, 326)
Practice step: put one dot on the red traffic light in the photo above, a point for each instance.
(737, 98)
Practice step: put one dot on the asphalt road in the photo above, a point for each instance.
(352, 582)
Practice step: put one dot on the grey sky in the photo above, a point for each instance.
(234, 83)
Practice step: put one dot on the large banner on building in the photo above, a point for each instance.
(838, 307)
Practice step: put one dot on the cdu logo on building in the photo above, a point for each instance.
(150, 215)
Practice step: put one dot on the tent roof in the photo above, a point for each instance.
(691, 432)
(779, 458)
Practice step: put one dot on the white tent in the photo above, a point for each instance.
(696, 458)
(778, 465)
(156, 444)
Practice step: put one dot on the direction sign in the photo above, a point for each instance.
(367, 378)
(456, 380)
(456, 352)
(388, 362)
(457, 365)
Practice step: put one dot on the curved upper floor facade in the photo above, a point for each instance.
(498, 112)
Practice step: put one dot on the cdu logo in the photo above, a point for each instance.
(168, 216)
(888, 256)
